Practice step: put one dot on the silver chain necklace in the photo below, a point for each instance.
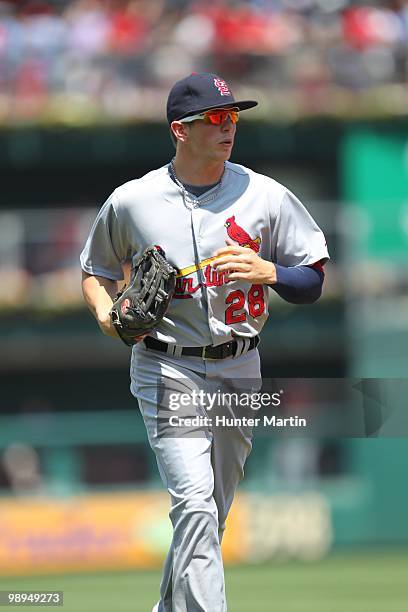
(189, 200)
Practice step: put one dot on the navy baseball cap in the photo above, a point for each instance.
(200, 92)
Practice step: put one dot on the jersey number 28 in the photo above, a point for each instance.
(235, 312)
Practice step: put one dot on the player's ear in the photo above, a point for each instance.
(179, 130)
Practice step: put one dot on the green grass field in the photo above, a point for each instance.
(361, 582)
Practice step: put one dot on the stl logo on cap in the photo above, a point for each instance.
(222, 87)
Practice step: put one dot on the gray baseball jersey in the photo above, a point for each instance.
(251, 209)
(200, 474)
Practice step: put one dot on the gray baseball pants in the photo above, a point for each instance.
(200, 467)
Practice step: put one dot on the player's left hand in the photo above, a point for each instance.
(242, 263)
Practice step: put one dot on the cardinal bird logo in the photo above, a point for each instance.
(237, 233)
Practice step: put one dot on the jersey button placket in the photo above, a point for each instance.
(195, 226)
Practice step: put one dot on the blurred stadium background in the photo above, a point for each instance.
(319, 525)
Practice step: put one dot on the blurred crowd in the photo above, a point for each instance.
(106, 57)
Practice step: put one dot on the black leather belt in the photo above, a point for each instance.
(222, 351)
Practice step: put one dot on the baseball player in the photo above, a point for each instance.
(232, 234)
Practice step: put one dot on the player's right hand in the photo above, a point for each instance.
(106, 326)
(109, 329)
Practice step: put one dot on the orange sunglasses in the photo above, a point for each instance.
(216, 116)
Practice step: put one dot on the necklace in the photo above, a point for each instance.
(189, 200)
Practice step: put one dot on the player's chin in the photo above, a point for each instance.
(224, 150)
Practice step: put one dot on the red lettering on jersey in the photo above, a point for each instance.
(185, 288)
(214, 278)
